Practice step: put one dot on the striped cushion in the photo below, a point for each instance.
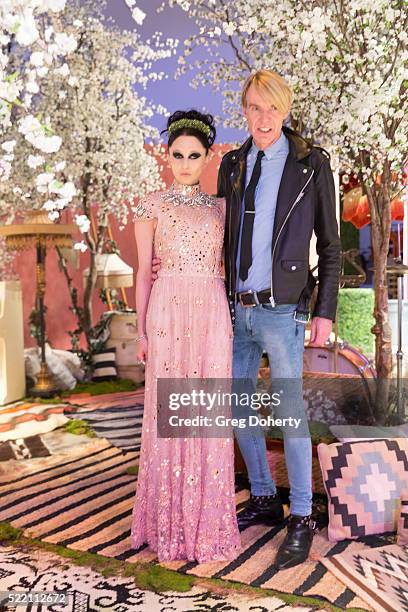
(104, 364)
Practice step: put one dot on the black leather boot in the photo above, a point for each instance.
(264, 509)
(298, 540)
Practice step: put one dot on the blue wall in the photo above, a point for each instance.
(171, 93)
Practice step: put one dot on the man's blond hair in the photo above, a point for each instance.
(271, 86)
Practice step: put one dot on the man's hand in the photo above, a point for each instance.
(156, 265)
(320, 331)
(141, 353)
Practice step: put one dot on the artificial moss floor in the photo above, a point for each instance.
(154, 578)
(93, 388)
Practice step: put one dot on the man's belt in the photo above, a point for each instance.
(249, 299)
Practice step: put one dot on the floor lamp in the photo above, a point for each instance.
(40, 232)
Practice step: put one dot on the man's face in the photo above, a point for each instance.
(264, 119)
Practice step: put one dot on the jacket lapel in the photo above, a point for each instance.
(294, 178)
(238, 176)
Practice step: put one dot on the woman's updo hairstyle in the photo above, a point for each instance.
(191, 123)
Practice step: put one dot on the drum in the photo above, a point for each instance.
(348, 361)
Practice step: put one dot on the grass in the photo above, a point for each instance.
(106, 386)
(156, 578)
(79, 428)
(133, 469)
(8, 533)
(93, 388)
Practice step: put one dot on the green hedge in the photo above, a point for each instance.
(355, 315)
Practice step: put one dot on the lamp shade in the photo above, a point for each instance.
(112, 272)
(37, 228)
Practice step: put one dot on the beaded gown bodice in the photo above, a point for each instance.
(190, 230)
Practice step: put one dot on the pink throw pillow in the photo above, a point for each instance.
(363, 481)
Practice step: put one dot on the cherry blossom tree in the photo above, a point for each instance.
(33, 46)
(347, 61)
(102, 165)
(29, 50)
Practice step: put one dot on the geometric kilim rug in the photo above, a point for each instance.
(84, 500)
(116, 417)
(379, 576)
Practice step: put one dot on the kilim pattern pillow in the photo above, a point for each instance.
(363, 481)
(402, 534)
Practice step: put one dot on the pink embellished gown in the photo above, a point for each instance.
(185, 501)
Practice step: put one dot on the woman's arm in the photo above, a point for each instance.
(144, 234)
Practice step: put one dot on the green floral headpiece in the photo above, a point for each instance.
(190, 123)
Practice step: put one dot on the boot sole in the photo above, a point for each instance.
(269, 522)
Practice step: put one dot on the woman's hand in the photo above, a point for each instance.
(141, 350)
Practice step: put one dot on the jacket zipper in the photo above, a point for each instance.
(299, 197)
(230, 258)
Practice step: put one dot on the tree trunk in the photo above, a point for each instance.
(88, 294)
(380, 208)
(95, 243)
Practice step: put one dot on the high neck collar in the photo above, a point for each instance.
(186, 190)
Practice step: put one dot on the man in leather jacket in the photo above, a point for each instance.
(279, 189)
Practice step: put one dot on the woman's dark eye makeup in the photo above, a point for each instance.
(178, 155)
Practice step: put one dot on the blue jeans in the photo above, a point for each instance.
(274, 330)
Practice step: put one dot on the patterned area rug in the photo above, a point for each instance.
(93, 402)
(87, 591)
(26, 419)
(83, 499)
(379, 576)
(23, 448)
(118, 418)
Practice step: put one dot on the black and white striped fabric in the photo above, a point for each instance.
(121, 425)
(104, 364)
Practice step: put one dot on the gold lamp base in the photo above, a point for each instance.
(45, 386)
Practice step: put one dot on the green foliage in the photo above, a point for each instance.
(106, 386)
(133, 469)
(159, 579)
(350, 239)
(355, 315)
(79, 428)
(9, 533)
(93, 388)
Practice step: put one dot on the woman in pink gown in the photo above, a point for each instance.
(185, 500)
